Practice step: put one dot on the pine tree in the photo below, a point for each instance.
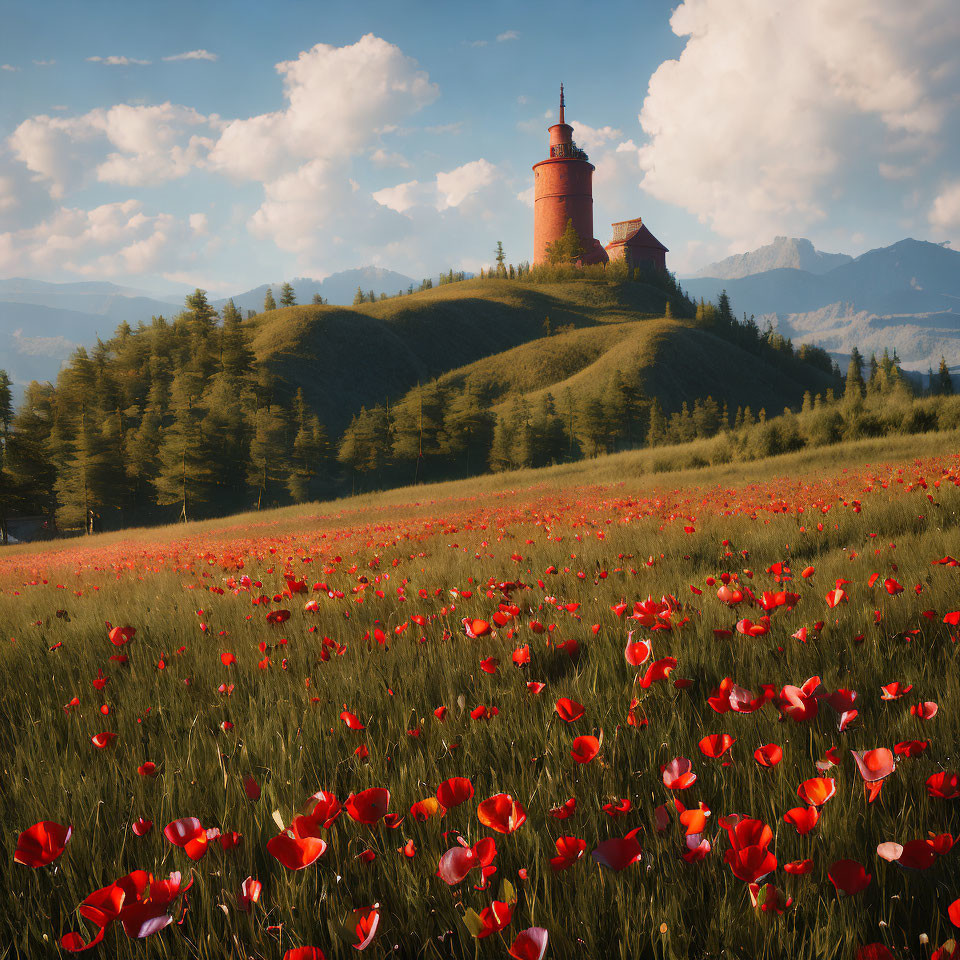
(501, 447)
(944, 381)
(309, 456)
(854, 386)
(657, 429)
(725, 317)
(267, 467)
(236, 357)
(26, 460)
(288, 297)
(268, 302)
(319, 301)
(6, 481)
(500, 257)
(81, 483)
(366, 443)
(468, 427)
(568, 248)
(185, 477)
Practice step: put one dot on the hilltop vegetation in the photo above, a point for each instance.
(205, 414)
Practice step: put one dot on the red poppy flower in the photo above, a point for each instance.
(531, 944)
(305, 953)
(366, 921)
(798, 868)
(944, 785)
(501, 813)
(751, 863)
(494, 918)
(296, 853)
(874, 764)
(585, 748)
(817, 791)
(451, 793)
(803, 818)
(141, 827)
(769, 755)
(569, 710)
(849, 877)
(716, 745)
(618, 852)
(636, 653)
(42, 843)
(368, 806)
(188, 834)
(103, 740)
(678, 774)
(351, 720)
(569, 851)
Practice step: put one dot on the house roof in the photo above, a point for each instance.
(641, 237)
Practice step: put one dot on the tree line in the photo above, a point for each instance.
(178, 419)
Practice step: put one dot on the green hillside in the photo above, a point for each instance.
(345, 358)
(491, 333)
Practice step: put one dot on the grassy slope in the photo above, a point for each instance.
(344, 358)
(294, 745)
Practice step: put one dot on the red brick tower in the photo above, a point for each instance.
(563, 190)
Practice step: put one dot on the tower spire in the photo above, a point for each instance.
(561, 103)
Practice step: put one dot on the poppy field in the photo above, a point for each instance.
(674, 716)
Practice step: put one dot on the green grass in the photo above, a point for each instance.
(344, 358)
(465, 536)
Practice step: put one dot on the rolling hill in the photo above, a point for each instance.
(345, 358)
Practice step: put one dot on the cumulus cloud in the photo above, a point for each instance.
(507, 35)
(9, 67)
(115, 61)
(192, 55)
(757, 124)
(336, 100)
(945, 212)
(143, 144)
(386, 158)
(593, 138)
(113, 239)
(450, 188)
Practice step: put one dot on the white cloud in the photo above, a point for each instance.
(526, 197)
(945, 211)
(385, 158)
(758, 124)
(44, 63)
(336, 97)
(507, 35)
(475, 43)
(113, 239)
(457, 185)
(115, 61)
(8, 193)
(403, 196)
(593, 138)
(192, 55)
(450, 189)
(198, 223)
(151, 144)
(9, 67)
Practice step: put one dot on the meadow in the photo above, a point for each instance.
(616, 708)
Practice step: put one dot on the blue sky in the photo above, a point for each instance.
(403, 134)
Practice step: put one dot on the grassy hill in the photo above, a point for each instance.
(345, 358)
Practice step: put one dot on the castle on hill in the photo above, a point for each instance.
(563, 191)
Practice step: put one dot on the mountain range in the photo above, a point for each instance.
(41, 324)
(905, 297)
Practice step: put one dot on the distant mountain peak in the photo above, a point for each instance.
(795, 253)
